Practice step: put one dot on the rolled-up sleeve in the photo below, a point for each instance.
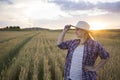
(64, 45)
(102, 52)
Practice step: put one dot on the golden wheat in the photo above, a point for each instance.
(41, 59)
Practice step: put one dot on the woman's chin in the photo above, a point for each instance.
(78, 36)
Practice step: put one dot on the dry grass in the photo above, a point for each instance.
(41, 59)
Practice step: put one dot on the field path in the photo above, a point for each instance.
(13, 52)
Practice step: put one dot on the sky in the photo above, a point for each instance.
(55, 14)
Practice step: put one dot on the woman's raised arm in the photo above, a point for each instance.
(62, 35)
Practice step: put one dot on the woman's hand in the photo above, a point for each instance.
(67, 27)
(90, 68)
(61, 37)
(98, 66)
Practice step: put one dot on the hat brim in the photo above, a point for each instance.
(81, 28)
(89, 32)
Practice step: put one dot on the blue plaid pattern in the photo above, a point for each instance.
(92, 49)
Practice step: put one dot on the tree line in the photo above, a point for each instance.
(11, 28)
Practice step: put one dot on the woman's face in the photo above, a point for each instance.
(80, 33)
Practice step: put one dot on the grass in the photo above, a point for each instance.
(13, 52)
(39, 58)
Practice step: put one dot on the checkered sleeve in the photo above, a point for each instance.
(64, 45)
(102, 52)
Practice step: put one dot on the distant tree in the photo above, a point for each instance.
(18, 27)
(7, 27)
(12, 28)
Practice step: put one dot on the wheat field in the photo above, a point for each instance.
(34, 55)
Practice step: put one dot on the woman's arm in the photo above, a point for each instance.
(104, 55)
(101, 64)
(98, 66)
(61, 37)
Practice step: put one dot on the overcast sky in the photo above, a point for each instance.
(54, 14)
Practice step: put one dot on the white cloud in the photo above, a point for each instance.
(24, 13)
(95, 1)
(96, 12)
(12, 16)
(41, 10)
(28, 13)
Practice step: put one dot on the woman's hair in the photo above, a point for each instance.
(88, 35)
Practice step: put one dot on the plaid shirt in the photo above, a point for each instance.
(92, 50)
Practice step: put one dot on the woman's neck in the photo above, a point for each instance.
(83, 40)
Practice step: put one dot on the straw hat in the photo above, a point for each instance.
(82, 25)
(85, 26)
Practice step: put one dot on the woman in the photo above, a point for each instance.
(82, 53)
